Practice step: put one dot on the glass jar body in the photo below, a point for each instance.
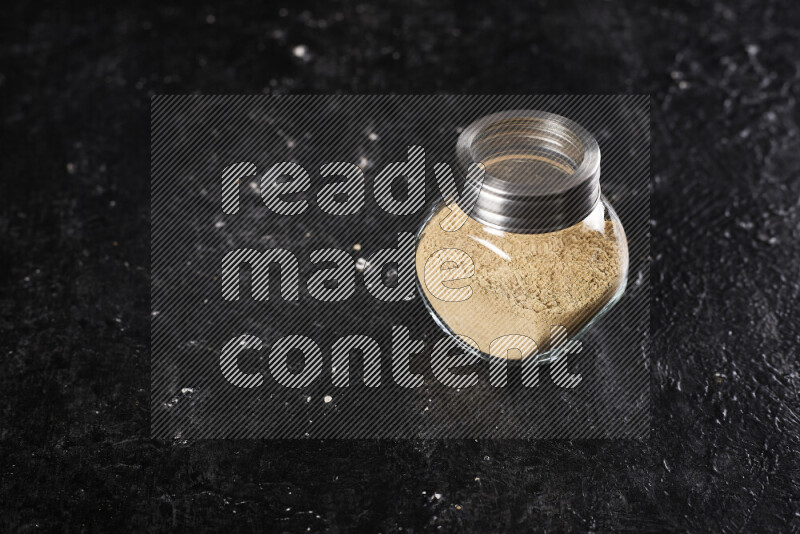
(504, 294)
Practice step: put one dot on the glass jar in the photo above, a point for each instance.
(529, 251)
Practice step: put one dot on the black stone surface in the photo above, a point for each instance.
(723, 454)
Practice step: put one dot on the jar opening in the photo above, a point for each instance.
(516, 150)
(541, 170)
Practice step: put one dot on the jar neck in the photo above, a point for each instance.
(541, 171)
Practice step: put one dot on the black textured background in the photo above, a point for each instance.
(723, 452)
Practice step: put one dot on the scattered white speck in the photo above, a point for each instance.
(477, 479)
(300, 51)
(752, 49)
(290, 144)
(187, 391)
(772, 240)
(327, 398)
(154, 313)
(361, 265)
(363, 162)
(112, 203)
(683, 85)
(71, 168)
(219, 224)
(372, 136)
(357, 246)
(437, 496)
(308, 399)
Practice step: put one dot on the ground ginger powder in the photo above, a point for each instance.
(525, 284)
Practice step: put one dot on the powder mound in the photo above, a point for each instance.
(524, 284)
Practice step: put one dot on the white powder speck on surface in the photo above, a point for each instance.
(300, 51)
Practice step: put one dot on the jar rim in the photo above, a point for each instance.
(552, 166)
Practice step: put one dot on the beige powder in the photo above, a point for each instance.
(524, 284)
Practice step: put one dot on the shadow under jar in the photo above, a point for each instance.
(540, 252)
